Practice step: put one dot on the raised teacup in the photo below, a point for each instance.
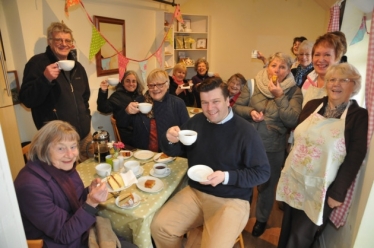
(210, 74)
(132, 165)
(113, 81)
(187, 137)
(144, 107)
(103, 169)
(66, 65)
(160, 169)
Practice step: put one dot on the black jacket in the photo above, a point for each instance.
(187, 97)
(65, 98)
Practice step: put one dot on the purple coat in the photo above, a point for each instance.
(45, 210)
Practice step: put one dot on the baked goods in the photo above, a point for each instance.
(126, 200)
(196, 110)
(149, 183)
(126, 153)
(115, 181)
(274, 79)
(163, 156)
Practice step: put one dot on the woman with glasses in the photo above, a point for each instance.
(126, 91)
(235, 85)
(330, 145)
(327, 50)
(305, 66)
(167, 111)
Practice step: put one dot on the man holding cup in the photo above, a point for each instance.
(58, 94)
(219, 206)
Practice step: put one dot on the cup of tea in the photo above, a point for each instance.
(210, 74)
(113, 81)
(66, 65)
(160, 169)
(103, 169)
(144, 107)
(187, 137)
(132, 165)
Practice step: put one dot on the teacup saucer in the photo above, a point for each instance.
(152, 172)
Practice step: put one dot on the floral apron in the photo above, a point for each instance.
(313, 163)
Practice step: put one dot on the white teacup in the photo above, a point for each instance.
(254, 54)
(132, 165)
(160, 169)
(145, 107)
(113, 81)
(210, 74)
(187, 137)
(103, 169)
(66, 65)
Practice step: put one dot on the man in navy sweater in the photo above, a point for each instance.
(219, 206)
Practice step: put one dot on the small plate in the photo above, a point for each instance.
(110, 188)
(137, 200)
(195, 111)
(159, 185)
(157, 158)
(187, 87)
(122, 152)
(143, 155)
(199, 172)
(152, 172)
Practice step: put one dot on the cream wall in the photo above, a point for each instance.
(237, 27)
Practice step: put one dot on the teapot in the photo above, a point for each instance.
(99, 142)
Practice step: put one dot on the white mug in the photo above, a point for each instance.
(103, 169)
(132, 165)
(66, 65)
(187, 137)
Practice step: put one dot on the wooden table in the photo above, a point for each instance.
(134, 224)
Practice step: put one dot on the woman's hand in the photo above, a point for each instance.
(257, 116)
(98, 193)
(332, 203)
(275, 89)
(172, 134)
(104, 85)
(261, 57)
(179, 89)
(191, 85)
(132, 108)
(94, 184)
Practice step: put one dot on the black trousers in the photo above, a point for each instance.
(298, 230)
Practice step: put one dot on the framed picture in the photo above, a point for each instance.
(201, 43)
(182, 27)
(14, 86)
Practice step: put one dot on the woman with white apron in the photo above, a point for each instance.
(330, 145)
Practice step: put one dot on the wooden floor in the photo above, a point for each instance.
(269, 239)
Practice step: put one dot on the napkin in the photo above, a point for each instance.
(129, 178)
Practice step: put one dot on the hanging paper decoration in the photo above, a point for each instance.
(143, 68)
(334, 17)
(158, 56)
(169, 35)
(97, 41)
(68, 4)
(178, 14)
(122, 64)
(361, 32)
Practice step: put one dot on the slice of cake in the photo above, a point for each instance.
(115, 181)
(126, 200)
(163, 156)
(149, 183)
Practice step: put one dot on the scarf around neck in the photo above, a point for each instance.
(262, 82)
(300, 72)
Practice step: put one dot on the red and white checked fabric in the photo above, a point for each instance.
(339, 215)
(334, 17)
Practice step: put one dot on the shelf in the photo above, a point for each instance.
(190, 49)
(190, 33)
(168, 54)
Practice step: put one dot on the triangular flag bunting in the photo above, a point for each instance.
(178, 14)
(360, 33)
(122, 64)
(169, 35)
(68, 4)
(97, 41)
(159, 57)
(143, 68)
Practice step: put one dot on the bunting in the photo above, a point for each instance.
(360, 33)
(169, 35)
(97, 41)
(178, 14)
(143, 68)
(122, 64)
(68, 4)
(158, 56)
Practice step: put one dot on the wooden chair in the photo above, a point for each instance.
(240, 240)
(115, 129)
(36, 243)
(25, 151)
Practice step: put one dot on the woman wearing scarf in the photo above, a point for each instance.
(305, 63)
(177, 81)
(330, 146)
(235, 85)
(273, 109)
(167, 111)
(53, 202)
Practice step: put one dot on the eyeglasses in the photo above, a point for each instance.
(128, 81)
(303, 54)
(342, 81)
(59, 41)
(152, 86)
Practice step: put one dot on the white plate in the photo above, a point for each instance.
(143, 155)
(126, 157)
(110, 188)
(137, 200)
(159, 185)
(152, 172)
(192, 111)
(199, 172)
(157, 158)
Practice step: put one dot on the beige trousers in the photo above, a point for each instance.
(221, 219)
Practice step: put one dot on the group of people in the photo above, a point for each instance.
(242, 135)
